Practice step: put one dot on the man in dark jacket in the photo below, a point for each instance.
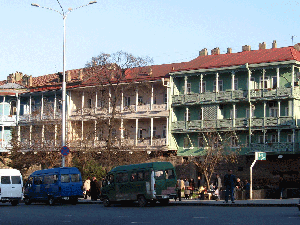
(95, 189)
(229, 183)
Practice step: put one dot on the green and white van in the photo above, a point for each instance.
(146, 182)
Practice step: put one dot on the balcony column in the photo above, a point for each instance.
(3, 103)
(151, 132)
(19, 135)
(81, 138)
(96, 101)
(54, 110)
(30, 103)
(136, 99)
(232, 80)
(122, 129)
(136, 131)
(18, 107)
(109, 100)
(265, 114)
(201, 83)
(278, 141)
(278, 114)
(249, 84)
(151, 101)
(43, 135)
(233, 115)
(217, 82)
(250, 121)
(42, 106)
(95, 133)
(263, 79)
(278, 78)
(2, 136)
(293, 78)
(82, 102)
(30, 135)
(185, 85)
(122, 99)
(167, 132)
(55, 134)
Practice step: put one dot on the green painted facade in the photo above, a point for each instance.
(198, 106)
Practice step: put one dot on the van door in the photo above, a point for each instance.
(5, 187)
(16, 186)
(65, 185)
(37, 181)
(160, 182)
(76, 185)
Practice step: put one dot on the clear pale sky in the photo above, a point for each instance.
(169, 31)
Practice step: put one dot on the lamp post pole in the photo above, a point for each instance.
(64, 15)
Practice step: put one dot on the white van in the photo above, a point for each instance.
(11, 185)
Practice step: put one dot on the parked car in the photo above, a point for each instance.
(11, 186)
(52, 185)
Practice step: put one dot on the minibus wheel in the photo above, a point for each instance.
(27, 201)
(106, 202)
(142, 201)
(74, 200)
(51, 201)
(164, 201)
(14, 202)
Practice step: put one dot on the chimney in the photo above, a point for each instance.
(297, 46)
(215, 51)
(27, 80)
(274, 44)
(262, 45)
(80, 75)
(203, 52)
(246, 48)
(60, 77)
(68, 76)
(229, 50)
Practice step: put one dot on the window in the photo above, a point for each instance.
(65, 178)
(140, 134)
(166, 98)
(220, 86)
(110, 179)
(273, 138)
(188, 88)
(154, 99)
(159, 175)
(200, 142)
(122, 177)
(248, 113)
(252, 83)
(273, 112)
(247, 140)
(75, 178)
(234, 142)
(113, 132)
(170, 174)
(186, 142)
(140, 100)
(133, 177)
(200, 114)
(126, 101)
(274, 82)
(261, 139)
(203, 87)
(140, 176)
(15, 179)
(49, 179)
(164, 132)
(289, 138)
(146, 175)
(264, 83)
(5, 179)
(235, 84)
(38, 180)
(231, 113)
(13, 107)
(187, 117)
(154, 131)
(286, 111)
(90, 103)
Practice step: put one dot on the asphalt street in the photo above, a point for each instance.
(173, 214)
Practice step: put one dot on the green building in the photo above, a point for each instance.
(253, 94)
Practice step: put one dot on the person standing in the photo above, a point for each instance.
(218, 187)
(94, 189)
(229, 183)
(247, 189)
(239, 189)
(87, 188)
(282, 186)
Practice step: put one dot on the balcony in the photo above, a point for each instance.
(11, 119)
(276, 147)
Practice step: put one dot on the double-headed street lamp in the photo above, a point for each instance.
(64, 15)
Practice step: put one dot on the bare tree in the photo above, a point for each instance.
(218, 148)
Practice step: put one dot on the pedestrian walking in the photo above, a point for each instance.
(282, 186)
(239, 187)
(229, 183)
(247, 189)
(218, 186)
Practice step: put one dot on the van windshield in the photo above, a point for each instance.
(5, 180)
(65, 178)
(75, 178)
(159, 175)
(15, 179)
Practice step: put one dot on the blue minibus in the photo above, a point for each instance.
(53, 185)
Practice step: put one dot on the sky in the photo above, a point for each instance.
(168, 31)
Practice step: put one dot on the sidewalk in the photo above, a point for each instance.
(292, 202)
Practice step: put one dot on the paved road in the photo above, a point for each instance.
(119, 215)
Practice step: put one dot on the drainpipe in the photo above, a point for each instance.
(249, 100)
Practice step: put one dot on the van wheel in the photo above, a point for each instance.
(74, 200)
(14, 202)
(152, 203)
(27, 201)
(164, 201)
(106, 202)
(142, 201)
(51, 201)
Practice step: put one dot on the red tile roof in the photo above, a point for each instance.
(241, 58)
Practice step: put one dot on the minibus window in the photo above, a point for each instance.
(15, 179)
(140, 176)
(122, 177)
(5, 180)
(37, 180)
(111, 179)
(170, 174)
(65, 178)
(133, 177)
(159, 175)
(75, 177)
(147, 176)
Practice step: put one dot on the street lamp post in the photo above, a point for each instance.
(64, 15)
